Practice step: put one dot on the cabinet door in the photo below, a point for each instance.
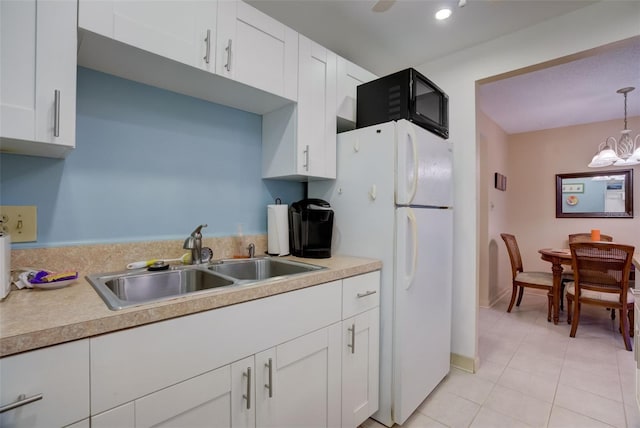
(304, 382)
(38, 76)
(180, 30)
(360, 355)
(316, 111)
(243, 408)
(255, 49)
(202, 401)
(56, 378)
(349, 76)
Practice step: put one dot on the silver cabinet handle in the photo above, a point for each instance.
(365, 294)
(56, 113)
(352, 345)
(248, 396)
(207, 54)
(22, 400)
(228, 49)
(269, 385)
(306, 158)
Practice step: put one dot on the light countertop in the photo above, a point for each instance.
(31, 319)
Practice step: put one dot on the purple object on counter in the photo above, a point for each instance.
(38, 278)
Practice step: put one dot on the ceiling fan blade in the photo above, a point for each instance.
(382, 5)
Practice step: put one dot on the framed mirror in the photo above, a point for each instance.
(595, 194)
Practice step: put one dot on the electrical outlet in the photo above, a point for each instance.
(20, 222)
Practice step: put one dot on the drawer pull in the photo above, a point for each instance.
(367, 293)
(247, 397)
(352, 345)
(22, 400)
(56, 113)
(228, 49)
(269, 385)
(207, 55)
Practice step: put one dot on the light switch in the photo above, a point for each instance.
(19, 221)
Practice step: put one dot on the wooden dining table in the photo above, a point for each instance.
(559, 257)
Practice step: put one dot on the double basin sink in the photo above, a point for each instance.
(131, 288)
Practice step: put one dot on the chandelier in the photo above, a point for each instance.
(622, 152)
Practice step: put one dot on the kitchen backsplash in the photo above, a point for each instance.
(99, 258)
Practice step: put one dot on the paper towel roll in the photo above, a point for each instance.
(278, 230)
(5, 265)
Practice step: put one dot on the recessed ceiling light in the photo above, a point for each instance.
(443, 14)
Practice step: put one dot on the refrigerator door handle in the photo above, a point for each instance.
(414, 149)
(414, 239)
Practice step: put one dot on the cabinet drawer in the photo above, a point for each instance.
(360, 293)
(59, 374)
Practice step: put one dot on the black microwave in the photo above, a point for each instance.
(406, 94)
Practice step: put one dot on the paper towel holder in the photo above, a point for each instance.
(277, 229)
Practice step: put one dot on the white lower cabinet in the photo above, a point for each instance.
(360, 347)
(188, 404)
(48, 387)
(242, 403)
(307, 358)
(298, 382)
(360, 351)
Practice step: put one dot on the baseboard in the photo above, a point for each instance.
(465, 363)
(496, 299)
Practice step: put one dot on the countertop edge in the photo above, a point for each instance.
(107, 322)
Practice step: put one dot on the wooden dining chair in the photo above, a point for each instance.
(586, 237)
(568, 275)
(601, 277)
(522, 279)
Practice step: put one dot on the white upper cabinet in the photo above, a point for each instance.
(38, 76)
(317, 110)
(299, 142)
(255, 49)
(175, 45)
(183, 31)
(350, 76)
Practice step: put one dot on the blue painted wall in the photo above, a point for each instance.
(149, 164)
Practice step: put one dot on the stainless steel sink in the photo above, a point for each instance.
(261, 268)
(131, 288)
(120, 290)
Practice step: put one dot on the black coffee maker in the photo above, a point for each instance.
(310, 228)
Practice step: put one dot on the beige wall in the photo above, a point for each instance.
(494, 264)
(534, 159)
(527, 209)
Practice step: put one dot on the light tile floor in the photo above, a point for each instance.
(532, 374)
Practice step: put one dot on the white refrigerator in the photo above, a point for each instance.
(393, 200)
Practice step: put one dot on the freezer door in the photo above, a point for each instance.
(424, 167)
(422, 305)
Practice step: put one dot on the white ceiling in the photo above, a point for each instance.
(406, 35)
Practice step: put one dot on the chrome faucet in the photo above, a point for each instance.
(252, 250)
(194, 243)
